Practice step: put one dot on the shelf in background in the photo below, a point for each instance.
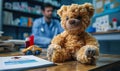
(109, 32)
(40, 3)
(26, 13)
(32, 2)
(17, 31)
(23, 13)
(110, 35)
(17, 26)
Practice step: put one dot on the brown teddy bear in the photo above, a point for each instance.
(74, 43)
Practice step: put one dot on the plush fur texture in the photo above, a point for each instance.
(74, 43)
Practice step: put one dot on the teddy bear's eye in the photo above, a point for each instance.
(67, 17)
(79, 17)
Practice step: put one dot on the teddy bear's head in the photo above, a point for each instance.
(76, 18)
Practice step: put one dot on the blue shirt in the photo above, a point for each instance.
(43, 33)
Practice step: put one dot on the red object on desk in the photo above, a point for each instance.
(27, 42)
(31, 40)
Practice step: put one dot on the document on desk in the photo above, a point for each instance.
(16, 41)
(23, 62)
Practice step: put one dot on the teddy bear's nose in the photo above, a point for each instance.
(72, 22)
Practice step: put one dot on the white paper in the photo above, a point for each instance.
(102, 23)
(16, 41)
(7, 63)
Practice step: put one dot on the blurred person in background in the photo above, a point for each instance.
(45, 28)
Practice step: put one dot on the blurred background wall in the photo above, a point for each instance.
(0, 15)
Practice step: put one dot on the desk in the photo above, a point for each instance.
(72, 65)
(11, 44)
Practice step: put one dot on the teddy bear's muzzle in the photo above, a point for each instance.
(73, 24)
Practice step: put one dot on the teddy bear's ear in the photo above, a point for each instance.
(89, 8)
(61, 10)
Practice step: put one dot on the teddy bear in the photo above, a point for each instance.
(74, 43)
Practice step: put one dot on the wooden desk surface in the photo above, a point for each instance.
(72, 65)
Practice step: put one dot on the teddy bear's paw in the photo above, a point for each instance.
(52, 48)
(83, 59)
(87, 60)
(91, 51)
(88, 54)
(92, 54)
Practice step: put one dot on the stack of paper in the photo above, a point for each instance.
(16, 41)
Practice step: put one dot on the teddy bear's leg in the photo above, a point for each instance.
(57, 54)
(88, 54)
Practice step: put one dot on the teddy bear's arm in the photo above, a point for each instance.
(91, 44)
(56, 51)
(89, 52)
(90, 40)
(59, 39)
